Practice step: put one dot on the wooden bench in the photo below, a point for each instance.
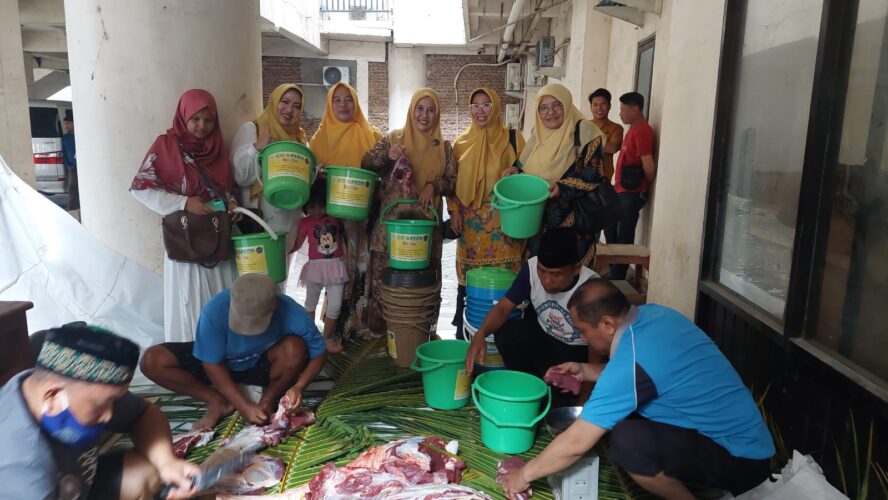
(637, 255)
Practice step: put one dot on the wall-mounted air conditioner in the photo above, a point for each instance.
(334, 75)
(513, 77)
(513, 115)
(531, 78)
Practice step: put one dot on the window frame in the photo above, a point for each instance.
(648, 43)
(822, 142)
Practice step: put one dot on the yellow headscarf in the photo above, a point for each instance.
(483, 153)
(424, 149)
(343, 143)
(267, 120)
(550, 152)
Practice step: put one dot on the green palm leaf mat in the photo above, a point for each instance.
(373, 402)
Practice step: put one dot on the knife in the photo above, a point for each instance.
(210, 473)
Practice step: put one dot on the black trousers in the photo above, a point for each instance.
(646, 447)
(458, 315)
(623, 232)
(525, 347)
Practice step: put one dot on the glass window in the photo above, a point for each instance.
(644, 72)
(766, 148)
(853, 303)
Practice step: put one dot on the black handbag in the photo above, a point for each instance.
(600, 208)
(198, 239)
(631, 176)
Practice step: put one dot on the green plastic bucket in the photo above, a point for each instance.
(409, 241)
(509, 403)
(349, 192)
(521, 200)
(261, 253)
(288, 170)
(491, 278)
(442, 363)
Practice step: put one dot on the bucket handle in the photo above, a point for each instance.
(506, 206)
(497, 423)
(424, 368)
(416, 202)
(258, 220)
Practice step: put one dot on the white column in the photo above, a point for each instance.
(130, 61)
(587, 53)
(363, 84)
(693, 49)
(15, 122)
(407, 72)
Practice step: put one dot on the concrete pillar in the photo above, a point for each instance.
(15, 122)
(362, 83)
(688, 107)
(407, 72)
(130, 61)
(587, 56)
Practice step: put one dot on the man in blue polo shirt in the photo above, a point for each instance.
(249, 334)
(676, 409)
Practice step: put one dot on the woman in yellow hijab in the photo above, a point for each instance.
(568, 151)
(433, 175)
(343, 138)
(484, 151)
(279, 121)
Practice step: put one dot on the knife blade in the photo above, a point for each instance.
(210, 473)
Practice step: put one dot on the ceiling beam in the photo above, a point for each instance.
(44, 41)
(46, 12)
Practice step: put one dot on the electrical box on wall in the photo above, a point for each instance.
(334, 75)
(546, 52)
(513, 115)
(531, 78)
(513, 77)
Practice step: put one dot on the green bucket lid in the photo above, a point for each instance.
(491, 278)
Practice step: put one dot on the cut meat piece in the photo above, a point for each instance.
(569, 382)
(508, 465)
(413, 468)
(183, 443)
(254, 438)
(261, 473)
(417, 459)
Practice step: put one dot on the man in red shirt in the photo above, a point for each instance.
(634, 173)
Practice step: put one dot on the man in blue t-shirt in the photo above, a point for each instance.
(677, 411)
(249, 334)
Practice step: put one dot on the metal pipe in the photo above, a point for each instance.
(517, 7)
(494, 30)
(456, 80)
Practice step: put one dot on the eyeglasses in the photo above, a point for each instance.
(554, 107)
(485, 106)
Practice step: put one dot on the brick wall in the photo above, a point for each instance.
(278, 70)
(440, 71)
(378, 98)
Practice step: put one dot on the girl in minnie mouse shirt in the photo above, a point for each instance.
(325, 268)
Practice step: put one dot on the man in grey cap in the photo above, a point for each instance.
(53, 417)
(249, 334)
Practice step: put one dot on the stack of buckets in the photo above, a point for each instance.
(410, 291)
(484, 288)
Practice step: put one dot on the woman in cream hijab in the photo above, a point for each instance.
(567, 150)
(279, 121)
(433, 175)
(483, 151)
(343, 138)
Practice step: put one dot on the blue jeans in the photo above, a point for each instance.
(623, 232)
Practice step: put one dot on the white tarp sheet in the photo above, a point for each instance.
(48, 258)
